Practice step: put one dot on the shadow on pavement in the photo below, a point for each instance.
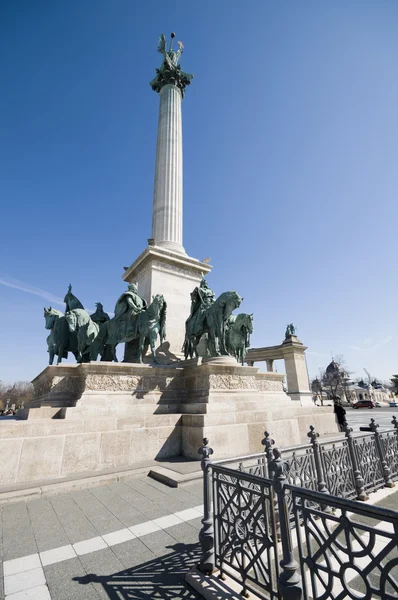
(161, 578)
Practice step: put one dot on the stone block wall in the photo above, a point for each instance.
(38, 451)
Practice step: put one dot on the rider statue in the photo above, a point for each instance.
(290, 330)
(201, 299)
(71, 301)
(128, 307)
(100, 317)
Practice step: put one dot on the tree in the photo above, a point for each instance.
(3, 390)
(394, 384)
(317, 388)
(19, 393)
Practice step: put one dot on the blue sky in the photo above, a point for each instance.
(290, 153)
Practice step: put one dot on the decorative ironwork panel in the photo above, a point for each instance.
(259, 468)
(351, 552)
(369, 462)
(302, 471)
(337, 469)
(245, 530)
(389, 442)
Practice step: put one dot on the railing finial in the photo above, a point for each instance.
(206, 452)
(373, 426)
(268, 442)
(312, 434)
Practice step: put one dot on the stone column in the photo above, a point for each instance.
(164, 267)
(167, 196)
(270, 365)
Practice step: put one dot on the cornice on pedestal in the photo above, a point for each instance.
(155, 253)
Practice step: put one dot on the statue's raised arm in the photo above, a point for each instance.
(162, 44)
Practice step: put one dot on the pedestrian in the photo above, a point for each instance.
(340, 413)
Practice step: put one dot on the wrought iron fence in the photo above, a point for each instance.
(245, 530)
(349, 467)
(338, 469)
(349, 552)
(335, 548)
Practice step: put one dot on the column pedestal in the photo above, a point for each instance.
(296, 370)
(161, 271)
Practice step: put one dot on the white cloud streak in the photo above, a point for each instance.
(367, 347)
(30, 289)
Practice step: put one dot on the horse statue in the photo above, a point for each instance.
(87, 330)
(213, 323)
(61, 340)
(237, 335)
(146, 327)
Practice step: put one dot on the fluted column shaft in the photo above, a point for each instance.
(167, 197)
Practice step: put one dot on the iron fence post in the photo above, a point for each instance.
(206, 535)
(394, 422)
(313, 435)
(358, 479)
(268, 442)
(289, 582)
(373, 426)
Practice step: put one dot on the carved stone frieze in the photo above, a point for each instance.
(269, 385)
(112, 383)
(187, 272)
(232, 382)
(57, 384)
(131, 383)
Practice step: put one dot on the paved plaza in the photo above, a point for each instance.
(123, 540)
(361, 417)
(128, 540)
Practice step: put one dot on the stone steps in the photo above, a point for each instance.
(141, 410)
(239, 405)
(46, 427)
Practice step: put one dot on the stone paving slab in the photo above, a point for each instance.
(96, 512)
(47, 528)
(63, 583)
(18, 536)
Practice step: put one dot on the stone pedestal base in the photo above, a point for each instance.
(90, 417)
(233, 406)
(160, 271)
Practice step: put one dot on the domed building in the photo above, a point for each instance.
(341, 386)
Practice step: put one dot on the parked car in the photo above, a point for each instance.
(377, 404)
(393, 404)
(364, 404)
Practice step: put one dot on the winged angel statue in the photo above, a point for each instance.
(170, 71)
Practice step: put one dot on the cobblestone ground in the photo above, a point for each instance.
(125, 540)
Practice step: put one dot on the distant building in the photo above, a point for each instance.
(360, 390)
(338, 380)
